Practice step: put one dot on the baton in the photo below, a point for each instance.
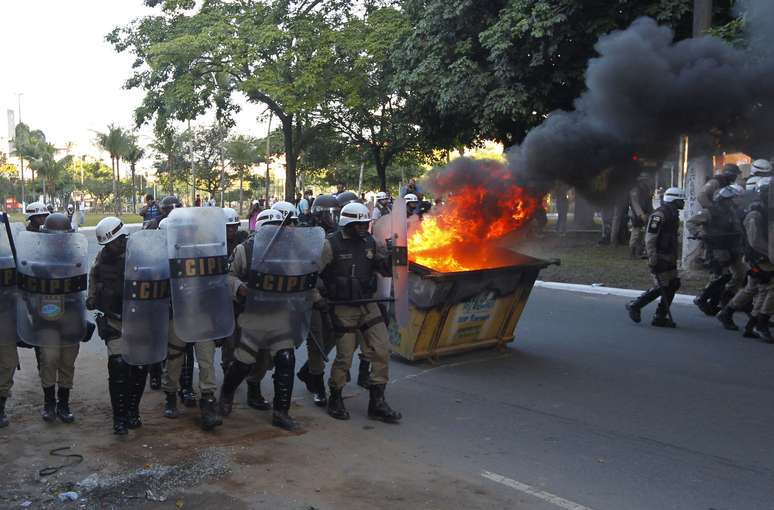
(363, 301)
(7, 222)
(274, 238)
(316, 343)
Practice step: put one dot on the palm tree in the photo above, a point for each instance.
(134, 154)
(242, 153)
(115, 142)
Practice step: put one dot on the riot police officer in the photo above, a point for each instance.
(166, 206)
(722, 238)
(661, 247)
(640, 209)
(248, 351)
(56, 363)
(325, 214)
(726, 177)
(412, 205)
(760, 169)
(382, 206)
(36, 214)
(126, 383)
(350, 261)
(760, 281)
(9, 358)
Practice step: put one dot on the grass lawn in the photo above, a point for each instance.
(91, 219)
(585, 262)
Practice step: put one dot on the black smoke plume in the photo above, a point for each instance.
(644, 91)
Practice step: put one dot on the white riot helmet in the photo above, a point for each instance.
(751, 184)
(760, 167)
(232, 218)
(35, 209)
(673, 195)
(410, 197)
(109, 229)
(70, 207)
(268, 217)
(286, 208)
(382, 195)
(354, 212)
(726, 192)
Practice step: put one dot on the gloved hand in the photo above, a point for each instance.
(90, 304)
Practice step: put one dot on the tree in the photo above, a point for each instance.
(242, 154)
(208, 148)
(493, 70)
(277, 53)
(134, 154)
(364, 103)
(97, 181)
(171, 157)
(115, 141)
(28, 144)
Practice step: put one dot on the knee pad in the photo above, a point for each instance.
(285, 359)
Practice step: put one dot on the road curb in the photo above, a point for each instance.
(681, 299)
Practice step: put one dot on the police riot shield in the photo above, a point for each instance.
(400, 261)
(52, 279)
(283, 274)
(8, 285)
(145, 314)
(202, 306)
(382, 232)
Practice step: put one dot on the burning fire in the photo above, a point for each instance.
(461, 235)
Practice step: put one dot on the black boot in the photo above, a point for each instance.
(170, 407)
(336, 405)
(363, 372)
(187, 395)
(662, 318)
(634, 307)
(749, 328)
(284, 366)
(118, 387)
(63, 405)
(235, 374)
(209, 408)
(762, 329)
(137, 377)
(378, 408)
(726, 318)
(315, 384)
(155, 376)
(3, 418)
(255, 397)
(49, 404)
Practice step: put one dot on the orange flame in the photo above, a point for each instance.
(460, 236)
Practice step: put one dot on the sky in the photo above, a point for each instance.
(54, 52)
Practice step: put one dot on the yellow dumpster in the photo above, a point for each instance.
(465, 311)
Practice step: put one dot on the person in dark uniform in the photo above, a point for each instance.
(661, 246)
(126, 383)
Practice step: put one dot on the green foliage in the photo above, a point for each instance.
(492, 70)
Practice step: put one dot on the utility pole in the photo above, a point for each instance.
(193, 168)
(21, 159)
(696, 168)
(268, 157)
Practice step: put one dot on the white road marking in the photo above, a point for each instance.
(680, 299)
(535, 492)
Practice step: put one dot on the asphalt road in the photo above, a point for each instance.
(584, 411)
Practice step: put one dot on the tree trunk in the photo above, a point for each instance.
(222, 177)
(134, 191)
(381, 168)
(241, 192)
(115, 184)
(290, 159)
(170, 162)
(584, 214)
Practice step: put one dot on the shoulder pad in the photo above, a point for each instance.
(655, 222)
